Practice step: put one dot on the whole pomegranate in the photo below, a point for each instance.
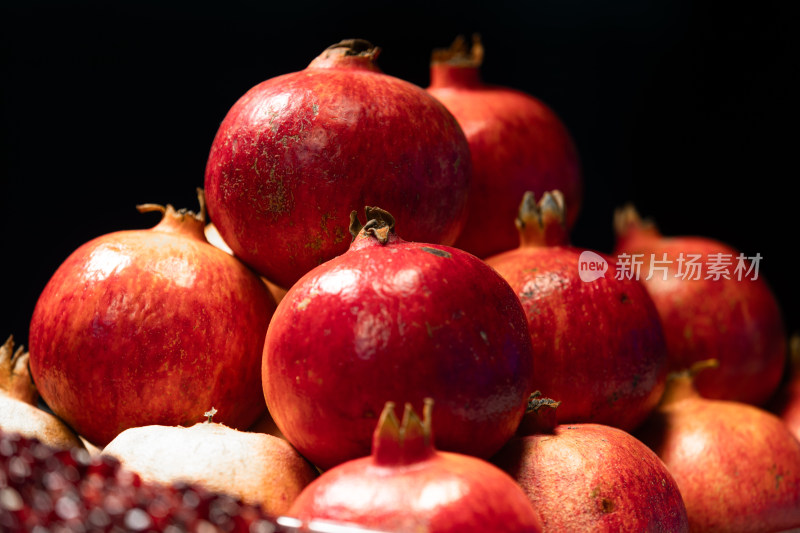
(517, 144)
(786, 402)
(18, 398)
(257, 468)
(737, 466)
(713, 305)
(597, 339)
(408, 485)
(299, 151)
(590, 477)
(146, 327)
(391, 320)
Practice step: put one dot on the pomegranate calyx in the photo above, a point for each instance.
(542, 223)
(357, 53)
(210, 415)
(540, 416)
(403, 442)
(182, 220)
(380, 224)
(458, 54)
(15, 377)
(680, 384)
(628, 222)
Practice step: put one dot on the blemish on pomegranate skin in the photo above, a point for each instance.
(436, 252)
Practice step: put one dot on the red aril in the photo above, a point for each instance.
(391, 320)
(517, 144)
(709, 309)
(149, 327)
(597, 339)
(408, 485)
(298, 152)
(590, 477)
(737, 466)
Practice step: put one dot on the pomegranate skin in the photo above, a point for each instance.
(736, 322)
(786, 401)
(517, 144)
(598, 344)
(149, 327)
(737, 466)
(408, 485)
(592, 477)
(398, 321)
(299, 151)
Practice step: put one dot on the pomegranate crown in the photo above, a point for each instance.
(680, 383)
(15, 378)
(628, 220)
(380, 224)
(542, 223)
(540, 415)
(459, 54)
(403, 442)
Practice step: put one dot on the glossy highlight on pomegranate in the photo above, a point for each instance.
(517, 144)
(150, 326)
(391, 320)
(590, 477)
(406, 484)
(597, 342)
(707, 316)
(298, 152)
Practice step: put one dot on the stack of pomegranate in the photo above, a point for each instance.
(239, 366)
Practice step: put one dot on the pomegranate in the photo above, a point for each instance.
(737, 466)
(408, 485)
(517, 144)
(786, 402)
(713, 304)
(391, 320)
(597, 340)
(590, 477)
(256, 468)
(19, 412)
(298, 152)
(148, 326)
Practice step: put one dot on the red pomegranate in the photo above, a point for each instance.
(299, 151)
(517, 144)
(713, 304)
(597, 340)
(391, 320)
(149, 327)
(19, 412)
(408, 485)
(786, 402)
(590, 477)
(737, 466)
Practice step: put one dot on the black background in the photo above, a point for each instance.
(685, 109)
